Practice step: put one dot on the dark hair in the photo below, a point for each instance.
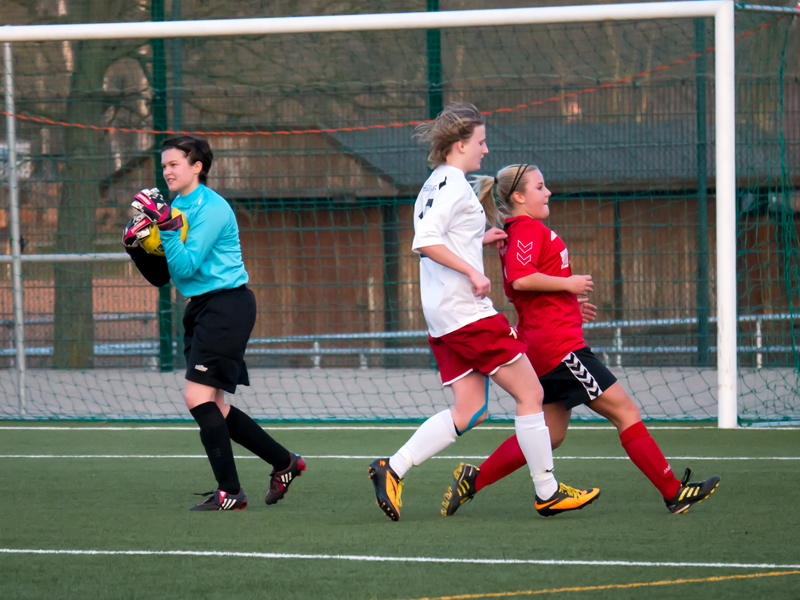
(196, 150)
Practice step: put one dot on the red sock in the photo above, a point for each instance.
(645, 454)
(503, 461)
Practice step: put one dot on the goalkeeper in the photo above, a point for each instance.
(219, 317)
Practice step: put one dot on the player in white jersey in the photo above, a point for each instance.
(471, 341)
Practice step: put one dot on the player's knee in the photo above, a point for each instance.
(465, 422)
(627, 413)
(532, 402)
(557, 439)
(192, 398)
(537, 394)
(481, 418)
(633, 415)
(458, 419)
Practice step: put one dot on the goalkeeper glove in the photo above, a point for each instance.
(152, 204)
(137, 229)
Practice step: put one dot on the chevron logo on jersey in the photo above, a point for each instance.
(523, 249)
(582, 374)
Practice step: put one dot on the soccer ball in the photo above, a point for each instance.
(152, 243)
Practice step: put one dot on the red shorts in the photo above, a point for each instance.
(484, 345)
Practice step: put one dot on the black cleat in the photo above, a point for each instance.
(388, 487)
(220, 500)
(280, 480)
(689, 493)
(461, 490)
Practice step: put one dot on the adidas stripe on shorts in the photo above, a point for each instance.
(578, 379)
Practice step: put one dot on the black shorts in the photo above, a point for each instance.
(578, 379)
(217, 327)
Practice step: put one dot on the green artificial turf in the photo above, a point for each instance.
(142, 504)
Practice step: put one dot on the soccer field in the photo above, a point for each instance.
(101, 511)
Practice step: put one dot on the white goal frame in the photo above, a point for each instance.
(722, 11)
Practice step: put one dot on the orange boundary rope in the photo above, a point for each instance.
(389, 125)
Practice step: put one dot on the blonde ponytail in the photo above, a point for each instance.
(484, 190)
(509, 179)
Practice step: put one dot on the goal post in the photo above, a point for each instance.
(725, 148)
(724, 121)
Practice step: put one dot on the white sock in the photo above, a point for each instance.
(433, 436)
(534, 440)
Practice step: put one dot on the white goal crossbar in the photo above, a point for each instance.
(722, 11)
(327, 24)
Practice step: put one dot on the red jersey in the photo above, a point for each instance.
(550, 322)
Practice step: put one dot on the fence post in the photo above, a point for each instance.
(702, 295)
(434, 47)
(392, 253)
(619, 282)
(759, 344)
(16, 246)
(316, 358)
(160, 124)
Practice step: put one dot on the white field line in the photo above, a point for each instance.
(371, 457)
(357, 428)
(400, 559)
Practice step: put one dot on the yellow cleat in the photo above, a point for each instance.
(566, 498)
(388, 487)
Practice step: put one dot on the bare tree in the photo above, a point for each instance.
(86, 102)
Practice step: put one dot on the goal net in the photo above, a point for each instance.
(312, 137)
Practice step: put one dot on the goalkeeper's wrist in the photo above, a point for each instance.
(173, 224)
(135, 251)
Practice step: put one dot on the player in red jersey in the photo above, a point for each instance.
(471, 342)
(538, 280)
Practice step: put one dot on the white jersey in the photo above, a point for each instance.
(448, 212)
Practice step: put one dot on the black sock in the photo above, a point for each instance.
(217, 442)
(243, 430)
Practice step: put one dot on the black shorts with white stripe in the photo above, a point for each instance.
(578, 379)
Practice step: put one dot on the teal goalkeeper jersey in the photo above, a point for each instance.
(211, 258)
